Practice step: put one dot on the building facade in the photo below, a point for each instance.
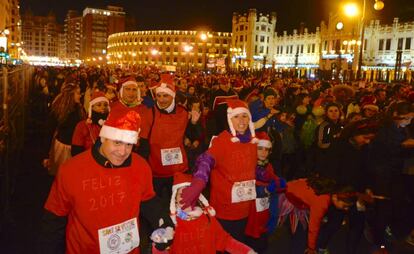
(390, 51)
(182, 49)
(10, 27)
(97, 25)
(73, 31)
(40, 35)
(300, 50)
(253, 39)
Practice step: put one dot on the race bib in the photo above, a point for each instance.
(171, 156)
(120, 238)
(243, 191)
(262, 204)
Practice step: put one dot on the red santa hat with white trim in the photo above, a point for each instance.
(235, 107)
(264, 139)
(97, 96)
(127, 82)
(122, 125)
(369, 102)
(182, 180)
(166, 85)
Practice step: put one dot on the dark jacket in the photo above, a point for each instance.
(346, 164)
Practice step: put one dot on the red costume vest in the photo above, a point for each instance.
(85, 134)
(166, 134)
(234, 162)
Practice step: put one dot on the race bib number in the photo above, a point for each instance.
(243, 191)
(171, 156)
(121, 238)
(262, 204)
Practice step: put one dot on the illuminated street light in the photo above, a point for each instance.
(6, 31)
(188, 48)
(351, 9)
(203, 36)
(154, 52)
(379, 5)
(339, 26)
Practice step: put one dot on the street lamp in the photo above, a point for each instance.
(351, 10)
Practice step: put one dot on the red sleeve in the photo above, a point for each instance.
(222, 238)
(59, 201)
(317, 211)
(271, 172)
(78, 137)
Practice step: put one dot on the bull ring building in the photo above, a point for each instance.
(183, 49)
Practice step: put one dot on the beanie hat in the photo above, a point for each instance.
(264, 139)
(166, 85)
(122, 125)
(130, 81)
(235, 107)
(369, 102)
(97, 96)
(183, 180)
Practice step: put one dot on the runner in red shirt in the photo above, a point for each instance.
(98, 195)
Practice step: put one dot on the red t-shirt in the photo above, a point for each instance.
(303, 197)
(94, 197)
(203, 235)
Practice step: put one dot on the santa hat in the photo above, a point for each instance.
(166, 85)
(128, 82)
(236, 107)
(183, 180)
(238, 84)
(264, 139)
(97, 96)
(369, 102)
(122, 125)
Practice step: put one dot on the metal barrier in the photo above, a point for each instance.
(14, 89)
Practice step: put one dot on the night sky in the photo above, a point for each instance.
(216, 14)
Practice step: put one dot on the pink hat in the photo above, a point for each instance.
(166, 85)
(264, 139)
(183, 180)
(122, 125)
(236, 107)
(97, 96)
